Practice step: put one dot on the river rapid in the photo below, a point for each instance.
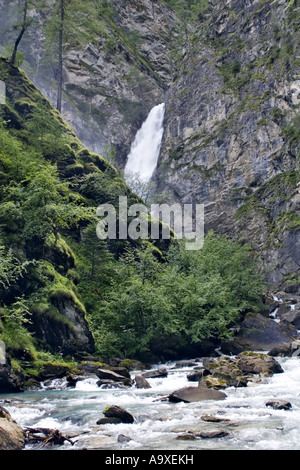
(158, 423)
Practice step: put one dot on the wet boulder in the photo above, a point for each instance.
(114, 411)
(196, 375)
(157, 373)
(212, 434)
(194, 394)
(227, 371)
(121, 371)
(123, 439)
(277, 404)
(288, 350)
(109, 421)
(12, 435)
(222, 372)
(260, 333)
(107, 374)
(185, 364)
(141, 382)
(253, 363)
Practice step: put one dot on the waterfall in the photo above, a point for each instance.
(142, 159)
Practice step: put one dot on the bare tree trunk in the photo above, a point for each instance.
(60, 55)
(25, 25)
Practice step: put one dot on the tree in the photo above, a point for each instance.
(62, 6)
(26, 22)
(70, 25)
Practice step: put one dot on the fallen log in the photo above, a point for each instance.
(47, 436)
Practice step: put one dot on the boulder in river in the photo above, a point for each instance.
(194, 394)
(122, 439)
(157, 373)
(141, 382)
(253, 363)
(109, 421)
(279, 404)
(12, 435)
(121, 371)
(212, 434)
(114, 411)
(222, 372)
(288, 350)
(213, 419)
(237, 371)
(185, 364)
(107, 374)
(196, 375)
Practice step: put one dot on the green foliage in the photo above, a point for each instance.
(13, 331)
(196, 294)
(10, 268)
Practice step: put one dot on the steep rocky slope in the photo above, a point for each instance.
(231, 136)
(111, 81)
(51, 185)
(232, 125)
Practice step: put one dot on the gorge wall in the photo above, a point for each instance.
(232, 124)
(111, 81)
(231, 137)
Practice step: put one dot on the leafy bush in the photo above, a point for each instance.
(197, 295)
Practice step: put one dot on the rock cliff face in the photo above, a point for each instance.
(232, 120)
(231, 137)
(112, 82)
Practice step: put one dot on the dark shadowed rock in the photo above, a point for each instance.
(121, 371)
(212, 434)
(195, 376)
(115, 411)
(122, 439)
(189, 436)
(279, 404)
(288, 350)
(185, 364)
(259, 333)
(106, 374)
(109, 421)
(193, 394)
(153, 374)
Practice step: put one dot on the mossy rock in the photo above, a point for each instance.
(76, 169)
(63, 155)
(88, 157)
(25, 106)
(213, 382)
(52, 370)
(132, 364)
(12, 119)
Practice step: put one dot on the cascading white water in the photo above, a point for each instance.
(142, 159)
(250, 423)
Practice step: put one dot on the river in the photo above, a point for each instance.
(251, 426)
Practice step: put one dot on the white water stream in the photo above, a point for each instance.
(144, 152)
(251, 425)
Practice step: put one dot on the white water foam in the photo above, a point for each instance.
(253, 424)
